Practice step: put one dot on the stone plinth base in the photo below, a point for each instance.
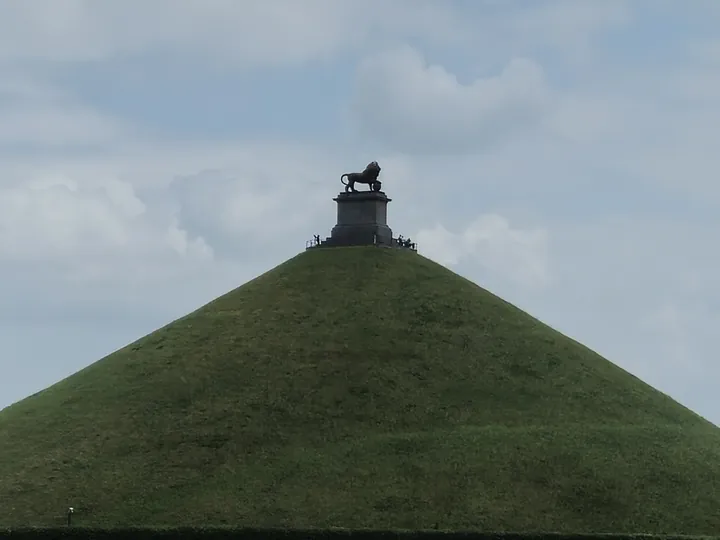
(361, 220)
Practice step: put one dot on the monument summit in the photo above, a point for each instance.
(362, 215)
(359, 386)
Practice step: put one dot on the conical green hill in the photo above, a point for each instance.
(359, 387)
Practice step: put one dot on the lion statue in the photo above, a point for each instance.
(368, 176)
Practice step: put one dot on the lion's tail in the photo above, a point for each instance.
(341, 179)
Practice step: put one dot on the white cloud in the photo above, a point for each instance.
(36, 113)
(247, 33)
(705, 52)
(403, 101)
(588, 118)
(264, 196)
(98, 230)
(281, 32)
(55, 126)
(667, 324)
(17, 86)
(490, 242)
(568, 22)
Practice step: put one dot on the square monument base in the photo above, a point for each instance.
(360, 235)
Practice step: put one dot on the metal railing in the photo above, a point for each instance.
(399, 243)
(312, 243)
(404, 243)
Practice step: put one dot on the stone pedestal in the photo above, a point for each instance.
(361, 220)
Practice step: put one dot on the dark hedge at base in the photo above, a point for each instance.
(80, 533)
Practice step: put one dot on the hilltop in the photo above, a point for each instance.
(359, 387)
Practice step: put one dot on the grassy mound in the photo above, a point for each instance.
(359, 387)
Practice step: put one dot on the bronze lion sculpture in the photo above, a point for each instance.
(369, 176)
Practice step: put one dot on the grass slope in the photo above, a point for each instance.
(359, 387)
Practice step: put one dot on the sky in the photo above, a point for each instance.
(155, 154)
